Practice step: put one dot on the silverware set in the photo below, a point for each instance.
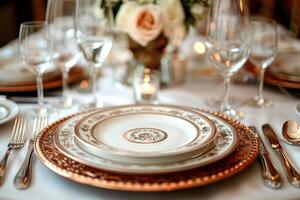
(23, 176)
(17, 141)
(271, 176)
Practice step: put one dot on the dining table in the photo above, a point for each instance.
(193, 92)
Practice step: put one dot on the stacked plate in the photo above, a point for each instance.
(140, 140)
(285, 71)
(15, 77)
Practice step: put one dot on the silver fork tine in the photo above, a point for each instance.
(23, 176)
(20, 132)
(16, 125)
(24, 135)
(16, 142)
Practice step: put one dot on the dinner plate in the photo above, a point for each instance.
(64, 140)
(8, 110)
(14, 73)
(287, 66)
(285, 71)
(145, 131)
(76, 74)
(244, 154)
(275, 81)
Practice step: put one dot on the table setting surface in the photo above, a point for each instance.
(47, 185)
(121, 101)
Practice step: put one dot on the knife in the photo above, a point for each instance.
(292, 174)
(271, 176)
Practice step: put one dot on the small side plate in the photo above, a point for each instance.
(11, 108)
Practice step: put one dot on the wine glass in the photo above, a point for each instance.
(263, 53)
(228, 43)
(60, 16)
(94, 32)
(35, 52)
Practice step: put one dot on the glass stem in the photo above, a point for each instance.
(40, 91)
(261, 84)
(65, 86)
(224, 103)
(94, 77)
(94, 84)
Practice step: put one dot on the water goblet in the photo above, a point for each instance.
(35, 52)
(263, 53)
(228, 43)
(60, 16)
(94, 32)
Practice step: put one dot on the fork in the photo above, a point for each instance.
(17, 141)
(23, 176)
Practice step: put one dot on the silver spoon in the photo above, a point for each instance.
(291, 132)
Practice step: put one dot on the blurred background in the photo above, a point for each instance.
(14, 12)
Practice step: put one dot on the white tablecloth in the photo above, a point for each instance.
(243, 186)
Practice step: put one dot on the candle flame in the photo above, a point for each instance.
(199, 47)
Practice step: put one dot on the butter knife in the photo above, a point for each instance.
(292, 174)
(270, 174)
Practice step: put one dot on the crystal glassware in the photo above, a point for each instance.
(35, 52)
(228, 43)
(263, 53)
(94, 33)
(60, 16)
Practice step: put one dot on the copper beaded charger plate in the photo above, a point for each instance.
(238, 160)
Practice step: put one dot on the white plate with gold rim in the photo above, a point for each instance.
(286, 66)
(137, 132)
(227, 141)
(8, 110)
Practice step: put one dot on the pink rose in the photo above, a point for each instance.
(143, 24)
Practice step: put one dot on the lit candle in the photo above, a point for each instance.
(148, 90)
(199, 47)
(146, 86)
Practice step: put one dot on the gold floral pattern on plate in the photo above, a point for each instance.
(227, 140)
(237, 161)
(85, 130)
(145, 135)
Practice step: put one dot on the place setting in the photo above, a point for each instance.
(92, 157)
(146, 146)
(154, 129)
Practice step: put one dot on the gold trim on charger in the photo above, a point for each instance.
(237, 161)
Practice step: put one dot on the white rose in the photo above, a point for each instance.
(173, 15)
(124, 14)
(142, 23)
(179, 32)
(198, 11)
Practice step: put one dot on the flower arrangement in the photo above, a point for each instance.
(145, 20)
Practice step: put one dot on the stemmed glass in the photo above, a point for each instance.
(35, 52)
(60, 16)
(228, 43)
(263, 53)
(94, 32)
